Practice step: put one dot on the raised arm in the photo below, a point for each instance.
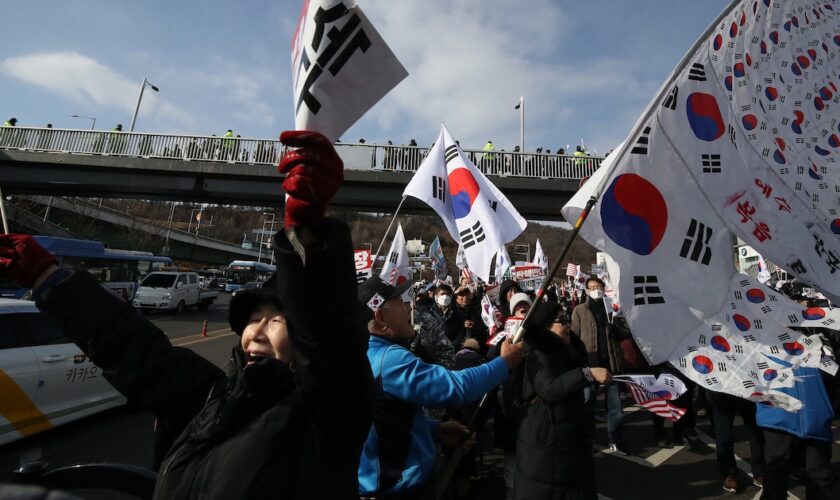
(135, 356)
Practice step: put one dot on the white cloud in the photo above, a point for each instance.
(469, 61)
(89, 82)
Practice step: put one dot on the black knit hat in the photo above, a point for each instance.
(245, 302)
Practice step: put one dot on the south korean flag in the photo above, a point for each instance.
(476, 213)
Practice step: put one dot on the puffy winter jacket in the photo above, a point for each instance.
(268, 430)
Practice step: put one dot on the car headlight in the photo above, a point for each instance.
(167, 296)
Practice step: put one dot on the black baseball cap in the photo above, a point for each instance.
(374, 286)
(245, 302)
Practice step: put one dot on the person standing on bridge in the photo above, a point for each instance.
(228, 145)
(7, 137)
(288, 416)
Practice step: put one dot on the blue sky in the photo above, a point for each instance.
(586, 69)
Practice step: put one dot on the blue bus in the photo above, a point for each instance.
(240, 272)
(118, 270)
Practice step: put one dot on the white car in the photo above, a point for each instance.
(45, 380)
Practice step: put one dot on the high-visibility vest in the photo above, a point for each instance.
(579, 158)
(228, 142)
(488, 149)
(7, 123)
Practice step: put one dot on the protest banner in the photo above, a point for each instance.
(364, 264)
(529, 278)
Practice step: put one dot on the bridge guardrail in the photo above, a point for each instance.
(246, 151)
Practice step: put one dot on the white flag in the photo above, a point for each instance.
(460, 257)
(733, 145)
(397, 268)
(502, 263)
(540, 259)
(474, 211)
(341, 67)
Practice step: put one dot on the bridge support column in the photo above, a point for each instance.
(3, 212)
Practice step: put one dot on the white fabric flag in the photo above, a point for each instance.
(732, 146)
(341, 67)
(502, 264)
(397, 267)
(540, 259)
(460, 257)
(474, 211)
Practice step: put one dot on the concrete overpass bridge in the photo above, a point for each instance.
(210, 169)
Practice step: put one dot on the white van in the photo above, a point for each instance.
(172, 291)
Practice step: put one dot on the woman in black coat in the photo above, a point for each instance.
(553, 450)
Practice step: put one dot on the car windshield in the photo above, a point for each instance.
(159, 281)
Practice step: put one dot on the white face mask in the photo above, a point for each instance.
(595, 294)
(444, 300)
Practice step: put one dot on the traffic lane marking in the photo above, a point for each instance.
(177, 340)
(201, 339)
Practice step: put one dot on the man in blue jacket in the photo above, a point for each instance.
(399, 455)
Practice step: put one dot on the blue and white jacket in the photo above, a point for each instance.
(405, 377)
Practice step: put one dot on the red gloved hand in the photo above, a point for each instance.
(314, 173)
(22, 259)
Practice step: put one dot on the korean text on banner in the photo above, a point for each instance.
(529, 277)
(341, 67)
(362, 259)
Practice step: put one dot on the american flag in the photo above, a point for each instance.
(571, 270)
(656, 404)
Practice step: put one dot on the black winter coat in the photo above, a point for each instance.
(270, 430)
(553, 452)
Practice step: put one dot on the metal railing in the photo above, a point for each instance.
(244, 151)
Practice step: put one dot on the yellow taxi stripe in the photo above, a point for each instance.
(15, 406)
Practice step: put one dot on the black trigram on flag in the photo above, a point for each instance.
(439, 188)
(711, 163)
(393, 257)
(450, 153)
(696, 245)
(646, 290)
(697, 72)
(472, 235)
(641, 147)
(670, 102)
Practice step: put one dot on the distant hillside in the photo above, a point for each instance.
(237, 223)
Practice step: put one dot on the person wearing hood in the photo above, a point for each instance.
(294, 402)
(506, 290)
(589, 322)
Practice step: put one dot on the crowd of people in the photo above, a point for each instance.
(361, 396)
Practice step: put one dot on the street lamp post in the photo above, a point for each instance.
(92, 125)
(262, 235)
(140, 98)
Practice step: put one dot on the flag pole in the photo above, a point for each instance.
(3, 213)
(617, 158)
(385, 237)
(522, 124)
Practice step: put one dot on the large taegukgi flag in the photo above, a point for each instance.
(540, 258)
(475, 212)
(340, 66)
(741, 141)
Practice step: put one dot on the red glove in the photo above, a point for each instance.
(314, 173)
(22, 259)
